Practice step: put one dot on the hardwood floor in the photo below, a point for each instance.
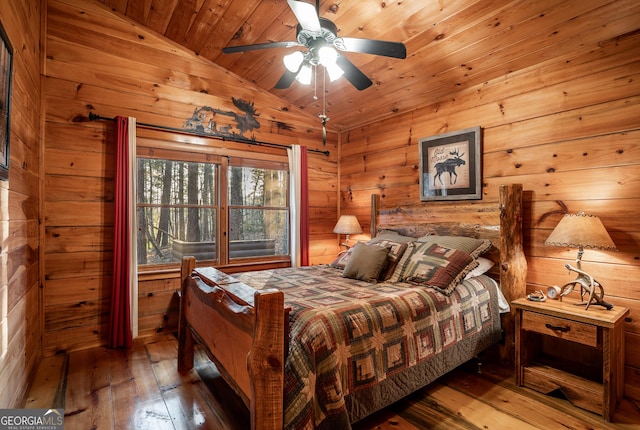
(141, 389)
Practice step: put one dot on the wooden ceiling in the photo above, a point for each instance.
(452, 45)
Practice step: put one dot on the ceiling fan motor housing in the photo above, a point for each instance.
(314, 40)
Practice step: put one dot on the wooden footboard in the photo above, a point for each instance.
(243, 332)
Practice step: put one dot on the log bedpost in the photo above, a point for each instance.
(375, 207)
(265, 362)
(185, 338)
(513, 263)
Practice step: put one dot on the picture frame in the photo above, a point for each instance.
(6, 73)
(450, 166)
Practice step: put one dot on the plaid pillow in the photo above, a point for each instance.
(392, 235)
(396, 250)
(342, 259)
(470, 245)
(436, 266)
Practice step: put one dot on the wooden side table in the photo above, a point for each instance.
(561, 346)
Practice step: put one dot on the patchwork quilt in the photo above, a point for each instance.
(356, 347)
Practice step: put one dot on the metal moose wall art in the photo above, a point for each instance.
(224, 123)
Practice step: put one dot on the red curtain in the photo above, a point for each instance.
(304, 208)
(120, 320)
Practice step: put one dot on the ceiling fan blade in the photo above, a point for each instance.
(286, 79)
(353, 74)
(255, 47)
(306, 15)
(370, 46)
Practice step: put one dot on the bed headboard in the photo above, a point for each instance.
(499, 222)
(478, 220)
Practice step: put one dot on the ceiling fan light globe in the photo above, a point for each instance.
(328, 56)
(293, 61)
(334, 72)
(304, 75)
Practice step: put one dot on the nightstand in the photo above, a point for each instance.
(561, 346)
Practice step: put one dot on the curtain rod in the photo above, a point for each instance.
(95, 117)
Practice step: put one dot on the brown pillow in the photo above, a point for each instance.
(366, 262)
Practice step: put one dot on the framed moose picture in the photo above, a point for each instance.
(450, 166)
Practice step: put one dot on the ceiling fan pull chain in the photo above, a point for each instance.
(324, 93)
(323, 115)
(315, 82)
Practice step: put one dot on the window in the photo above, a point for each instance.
(181, 210)
(258, 212)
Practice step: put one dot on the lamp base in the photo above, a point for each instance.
(588, 285)
(346, 243)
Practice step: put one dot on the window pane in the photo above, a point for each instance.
(171, 182)
(250, 186)
(176, 206)
(157, 248)
(258, 232)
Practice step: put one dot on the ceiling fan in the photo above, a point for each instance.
(320, 37)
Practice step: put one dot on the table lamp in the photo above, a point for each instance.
(347, 224)
(582, 231)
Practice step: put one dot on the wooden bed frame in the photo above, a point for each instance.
(243, 330)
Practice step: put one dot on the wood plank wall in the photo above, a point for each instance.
(20, 324)
(99, 62)
(568, 129)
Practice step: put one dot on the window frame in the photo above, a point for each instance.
(222, 164)
(260, 164)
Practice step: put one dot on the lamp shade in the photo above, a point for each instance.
(347, 224)
(581, 231)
